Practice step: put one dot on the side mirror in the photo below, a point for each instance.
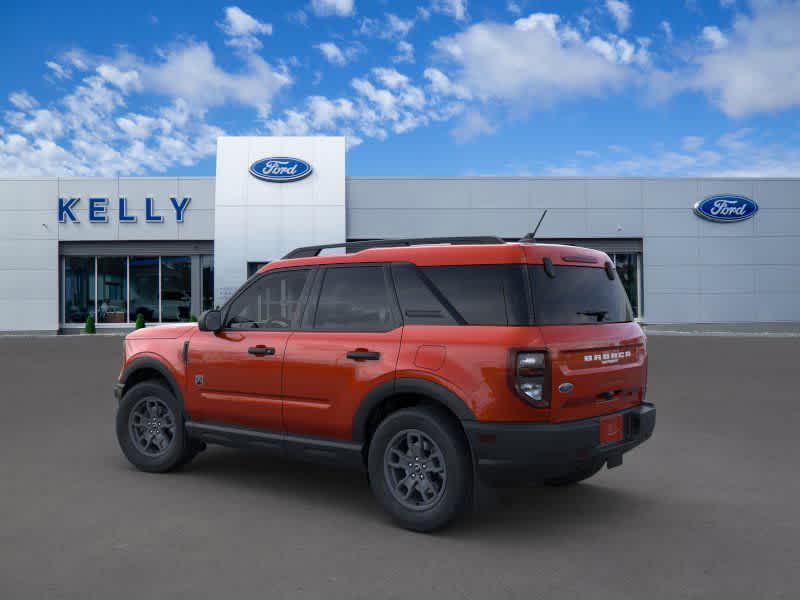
(210, 320)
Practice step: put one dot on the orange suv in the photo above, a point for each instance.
(432, 364)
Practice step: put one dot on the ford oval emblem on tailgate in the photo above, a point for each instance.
(565, 388)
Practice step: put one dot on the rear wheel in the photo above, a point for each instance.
(576, 476)
(420, 468)
(150, 429)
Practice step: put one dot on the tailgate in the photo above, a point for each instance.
(595, 369)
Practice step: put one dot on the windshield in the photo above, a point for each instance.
(578, 296)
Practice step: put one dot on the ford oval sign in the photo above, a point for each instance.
(280, 169)
(726, 209)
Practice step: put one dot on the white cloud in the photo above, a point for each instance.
(339, 8)
(735, 154)
(758, 70)
(336, 55)
(391, 27)
(666, 27)
(692, 143)
(440, 84)
(472, 124)
(514, 8)
(453, 8)
(619, 50)
(397, 26)
(405, 53)
(727, 3)
(190, 72)
(621, 11)
(385, 101)
(243, 29)
(127, 80)
(22, 100)
(715, 37)
(91, 131)
(58, 70)
(537, 60)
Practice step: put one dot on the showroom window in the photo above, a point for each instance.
(116, 289)
(144, 288)
(79, 288)
(207, 274)
(112, 289)
(176, 289)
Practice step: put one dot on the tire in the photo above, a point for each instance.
(430, 442)
(149, 412)
(576, 476)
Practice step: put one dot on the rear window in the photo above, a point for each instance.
(577, 296)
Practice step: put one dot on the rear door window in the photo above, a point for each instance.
(578, 296)
(354, 299)
(420, 301)
(483, 294)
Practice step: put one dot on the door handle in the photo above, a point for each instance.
(261, 351)
(363, 355)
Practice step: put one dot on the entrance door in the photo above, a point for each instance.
(350, 343)
(235, 374)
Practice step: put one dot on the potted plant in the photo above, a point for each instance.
(139, 320)
(89, 327)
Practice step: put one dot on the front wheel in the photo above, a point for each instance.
(420, 468)
(150, 429)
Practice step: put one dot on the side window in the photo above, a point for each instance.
(484, 294)
(354, 299)
(418, 302)
(271, 302)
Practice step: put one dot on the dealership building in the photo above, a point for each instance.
(688, 250)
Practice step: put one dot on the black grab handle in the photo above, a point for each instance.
(261, 351)
(363, 355)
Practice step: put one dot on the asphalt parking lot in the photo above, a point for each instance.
(707, 509)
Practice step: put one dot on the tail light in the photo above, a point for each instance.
(529, 370)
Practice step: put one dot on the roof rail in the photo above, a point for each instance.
(350, 247)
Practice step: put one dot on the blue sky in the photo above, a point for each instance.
(438, 87)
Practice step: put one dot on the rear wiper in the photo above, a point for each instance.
(599, 314)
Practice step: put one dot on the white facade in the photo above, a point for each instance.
(690, 270)
(257, 221)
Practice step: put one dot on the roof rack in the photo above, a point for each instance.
(350, 247)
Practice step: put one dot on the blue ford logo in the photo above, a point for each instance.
(726, 209)
(280, 169)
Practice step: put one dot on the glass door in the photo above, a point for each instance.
(629, 271)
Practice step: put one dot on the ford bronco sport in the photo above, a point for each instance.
(431, 364)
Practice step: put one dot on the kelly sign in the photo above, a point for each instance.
(98, 210)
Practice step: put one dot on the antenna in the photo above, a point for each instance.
(531, 237)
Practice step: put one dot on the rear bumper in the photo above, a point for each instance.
(523, 452)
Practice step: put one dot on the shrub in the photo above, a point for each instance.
(89, 327)
(193, 318)
(139, 320)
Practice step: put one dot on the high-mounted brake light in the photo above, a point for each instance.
(529, 378)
